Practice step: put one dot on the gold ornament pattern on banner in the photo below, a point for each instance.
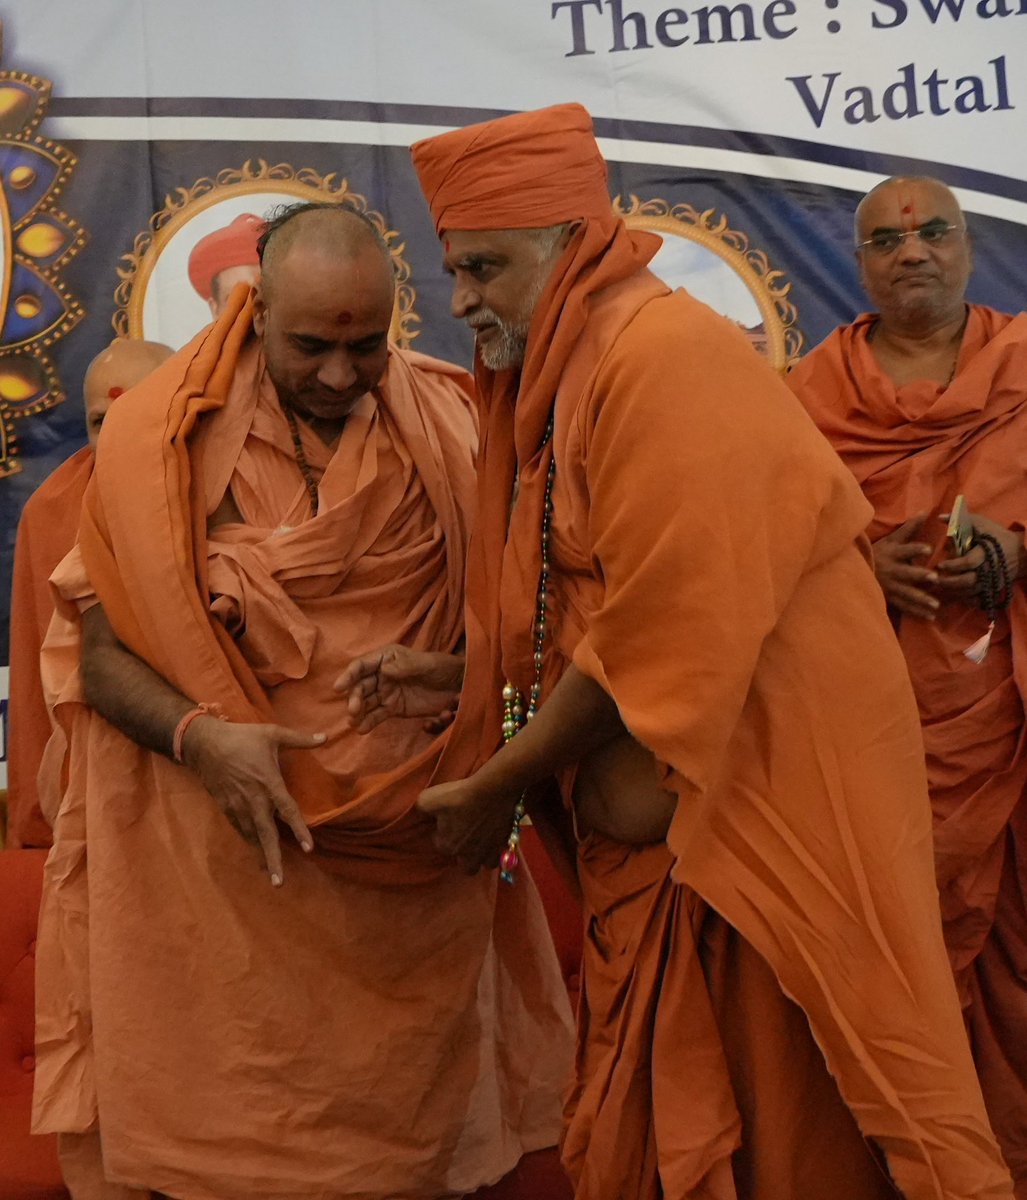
(37, 239)
(255, 177)
(776, 334)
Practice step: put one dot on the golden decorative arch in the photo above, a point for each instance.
(37, 240)
(780, 338)
(253, 177)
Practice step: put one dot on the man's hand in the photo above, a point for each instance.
(238, 765)
(470, 824)
(958, 576)
(396, 681)
(901, 580)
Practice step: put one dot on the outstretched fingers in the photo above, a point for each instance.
(289, 811)
(278, 801)
(271, 846)
(296, 739)
(360, 673)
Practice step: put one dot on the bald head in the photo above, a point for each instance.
(914, 254)
(907, 190)
(323, 310)
(116, 369)
(323, 231)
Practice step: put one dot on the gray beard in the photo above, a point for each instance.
(506, 349)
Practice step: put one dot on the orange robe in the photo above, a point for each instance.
(709, 571)
(382, 1025)
(46, 532)
(914, 449)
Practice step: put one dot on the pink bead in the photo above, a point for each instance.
(509, 860)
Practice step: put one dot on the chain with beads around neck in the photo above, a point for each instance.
(328, 431)
(898, 352)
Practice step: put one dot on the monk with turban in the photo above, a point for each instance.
(323, 1007)
(46, 532)
(668, 577)
(926, 399)
(225, 258)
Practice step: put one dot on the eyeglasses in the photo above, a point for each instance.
(887, 241)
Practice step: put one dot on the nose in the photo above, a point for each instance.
(337, 372)
(912, 248)
(466, 298)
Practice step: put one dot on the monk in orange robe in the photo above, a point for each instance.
(925, 400)
(46, 532)
(680, 599)
(375, 1025)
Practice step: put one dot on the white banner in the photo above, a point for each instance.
(943, 81)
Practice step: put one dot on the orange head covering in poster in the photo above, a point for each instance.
(525, 171)
(233, 246)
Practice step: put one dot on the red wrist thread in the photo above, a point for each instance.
(201, 710)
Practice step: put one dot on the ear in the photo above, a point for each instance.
(572, 229)
(259, 312)
(860, 267)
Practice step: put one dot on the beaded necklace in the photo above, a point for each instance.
(301, 460)
(515, 715)
(872, 333)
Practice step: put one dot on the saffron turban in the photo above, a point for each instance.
(525, 171)
(233, 246)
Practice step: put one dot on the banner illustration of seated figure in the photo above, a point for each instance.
(225, 258)
(182, 269)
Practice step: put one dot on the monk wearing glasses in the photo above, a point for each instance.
(926, 402)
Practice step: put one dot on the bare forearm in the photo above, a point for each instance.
(127, 692)
(236, 762)
(577, 718)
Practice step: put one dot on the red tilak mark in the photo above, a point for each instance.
(445, 244)
(114, 392)
(344, 317)
(908, 210)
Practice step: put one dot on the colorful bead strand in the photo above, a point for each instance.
(515, 715)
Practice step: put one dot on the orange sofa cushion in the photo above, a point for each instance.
(28, 1165)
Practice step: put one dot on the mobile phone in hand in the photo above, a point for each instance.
(961, 530)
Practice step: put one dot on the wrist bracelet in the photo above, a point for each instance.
(201, 710)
